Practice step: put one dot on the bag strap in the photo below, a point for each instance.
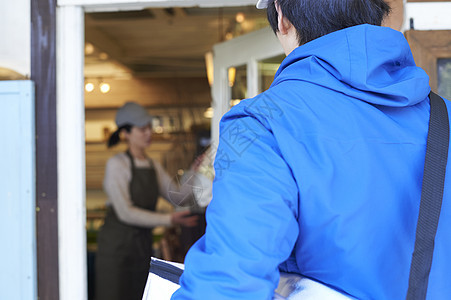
(431, 198)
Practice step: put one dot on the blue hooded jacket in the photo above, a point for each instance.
(321, 175)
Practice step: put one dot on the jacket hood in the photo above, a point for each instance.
(367, 62)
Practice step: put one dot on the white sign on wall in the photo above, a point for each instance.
(15, 30)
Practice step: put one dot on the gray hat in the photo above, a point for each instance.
(132, 113)
(261, 4)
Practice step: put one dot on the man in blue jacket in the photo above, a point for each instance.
(321, 174)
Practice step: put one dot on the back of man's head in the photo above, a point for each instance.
(315, 18)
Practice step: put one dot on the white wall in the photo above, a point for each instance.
(428, 16)
(15, 30)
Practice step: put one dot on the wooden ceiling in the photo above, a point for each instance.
(163, 42)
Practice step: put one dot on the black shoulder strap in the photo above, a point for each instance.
(431, 198)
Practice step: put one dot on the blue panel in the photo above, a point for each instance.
(18, 275)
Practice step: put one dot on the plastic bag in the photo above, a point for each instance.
(164, 276)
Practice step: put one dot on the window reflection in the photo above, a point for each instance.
(238, 84)
(267, 69)
(444, 77)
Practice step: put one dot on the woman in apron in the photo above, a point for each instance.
(133, 183)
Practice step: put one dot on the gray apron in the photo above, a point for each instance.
(124, 251)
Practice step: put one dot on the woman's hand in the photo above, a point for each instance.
(184, 218)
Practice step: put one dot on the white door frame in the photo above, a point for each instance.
(244, 50)
(70, 109)
(70, 131)
(71, 153)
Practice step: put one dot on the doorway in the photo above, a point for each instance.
(156, 57)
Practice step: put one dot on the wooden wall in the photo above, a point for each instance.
(150, 92)
(43, 73)
(427, 47)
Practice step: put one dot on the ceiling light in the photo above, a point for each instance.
(103, 56)
(89, 49)
(240, 17)
(105, 88)
(89, 87)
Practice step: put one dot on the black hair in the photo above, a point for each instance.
(315, 18)
(115, 138)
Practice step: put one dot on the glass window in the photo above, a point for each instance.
(267, 68)
(238, 84)
(444, 77)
